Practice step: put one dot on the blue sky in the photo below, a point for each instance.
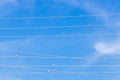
(94, 47)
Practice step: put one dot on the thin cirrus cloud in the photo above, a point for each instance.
(91, 7)
(4, 2)
(7, 7)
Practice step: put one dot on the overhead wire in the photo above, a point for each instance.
(62, 72)
(45, 56)
(21, 66)
(57, 57)
(56, 66)
(58, 16)
(50, 72)
(62, 35)
(58, 27)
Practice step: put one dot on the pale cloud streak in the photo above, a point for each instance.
(108, 47)
(3, 2)
(7, 7)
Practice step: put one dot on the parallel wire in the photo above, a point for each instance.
(21, 66)
(58, 27)
(47, 56)
(58, 16)
(59, 57)
(86, 73)
(62, 72)
(56, 66)
(63, 35)
(55, 57)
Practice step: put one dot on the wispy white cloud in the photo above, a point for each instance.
(108, 47)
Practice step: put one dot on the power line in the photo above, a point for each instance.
(51, 72)
(55, 57)
(22, 66)
(58, 27)
(46, 56)
(42, 57)
(57, 66)
(60, 66)
(63, 35)
(60, 16)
